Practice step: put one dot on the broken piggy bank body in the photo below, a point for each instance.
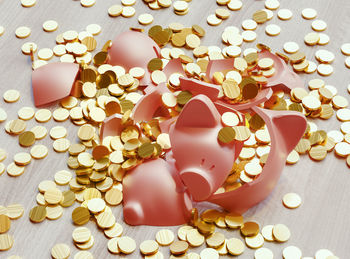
(157, 192)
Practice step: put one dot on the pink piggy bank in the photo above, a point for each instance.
(157, 191)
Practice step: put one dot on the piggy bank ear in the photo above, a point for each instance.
(199, 112)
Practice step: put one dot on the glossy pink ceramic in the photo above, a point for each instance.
(133, 49)
(198, 163)
(197, 151)
(53, 82)
(153, 194)
(285, 129)
(111, 126)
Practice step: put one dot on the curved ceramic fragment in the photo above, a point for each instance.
(154, 195)
(148, 105)
(199, 87)
(203, 163)
(285, 129)
(133, 49)
(111, 126)
(53, 82)
(218, 65)
(284, 77)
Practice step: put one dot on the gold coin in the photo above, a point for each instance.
(5, 224)
(105, 220)
(249, 229)
(81, 235)
(194, 238)
(17, 126)
(6, 242)
(293, 157)
(115, 231)
(178, 247)
(39, 152)
(86, 132)
(83, 255)
(60, 251)
(234, 220)
(63, 177)
(165, 237)
(114, 197)
(15, 170)
(242, 133)
(39, 132)
(22, 159)
(11, 96)
(91, 193)
(235, 246)
(43, 115)
(54, 212)
(126, 245)
(26, 113)
(155, 64)
(87, 245)
(128, 11)
(53, 196)
(291, 200)
(145, 18)
(80, 216)
(37, 214)
(255, 242)
(22, 32)
(96, 205)
(281, 232)
(60, 114)
(263, 253)
(267, 233)
(15, 211)
(198, 30)
(68, 198)
(297, 57)
(26, 139)
(146, 150)
(85, 159)
(318, 152)
(28, 3)
(215, 240)
(112, 245)
(226, 135)
(115, 10)
(303, 146)
(61, 145)
(149, 247)
(260, 16)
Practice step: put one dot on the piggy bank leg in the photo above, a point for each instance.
(154, 196)
(133, 213)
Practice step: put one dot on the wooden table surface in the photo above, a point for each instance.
(322, 221)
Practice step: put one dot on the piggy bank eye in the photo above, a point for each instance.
(199, 112)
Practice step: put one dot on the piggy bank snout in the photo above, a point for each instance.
(198, 182)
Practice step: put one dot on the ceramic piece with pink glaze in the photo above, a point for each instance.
(203, 163)
(133, 49)
(286, 129)
(53, 82)
(153, 194)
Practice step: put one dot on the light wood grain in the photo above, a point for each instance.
(322, 221)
